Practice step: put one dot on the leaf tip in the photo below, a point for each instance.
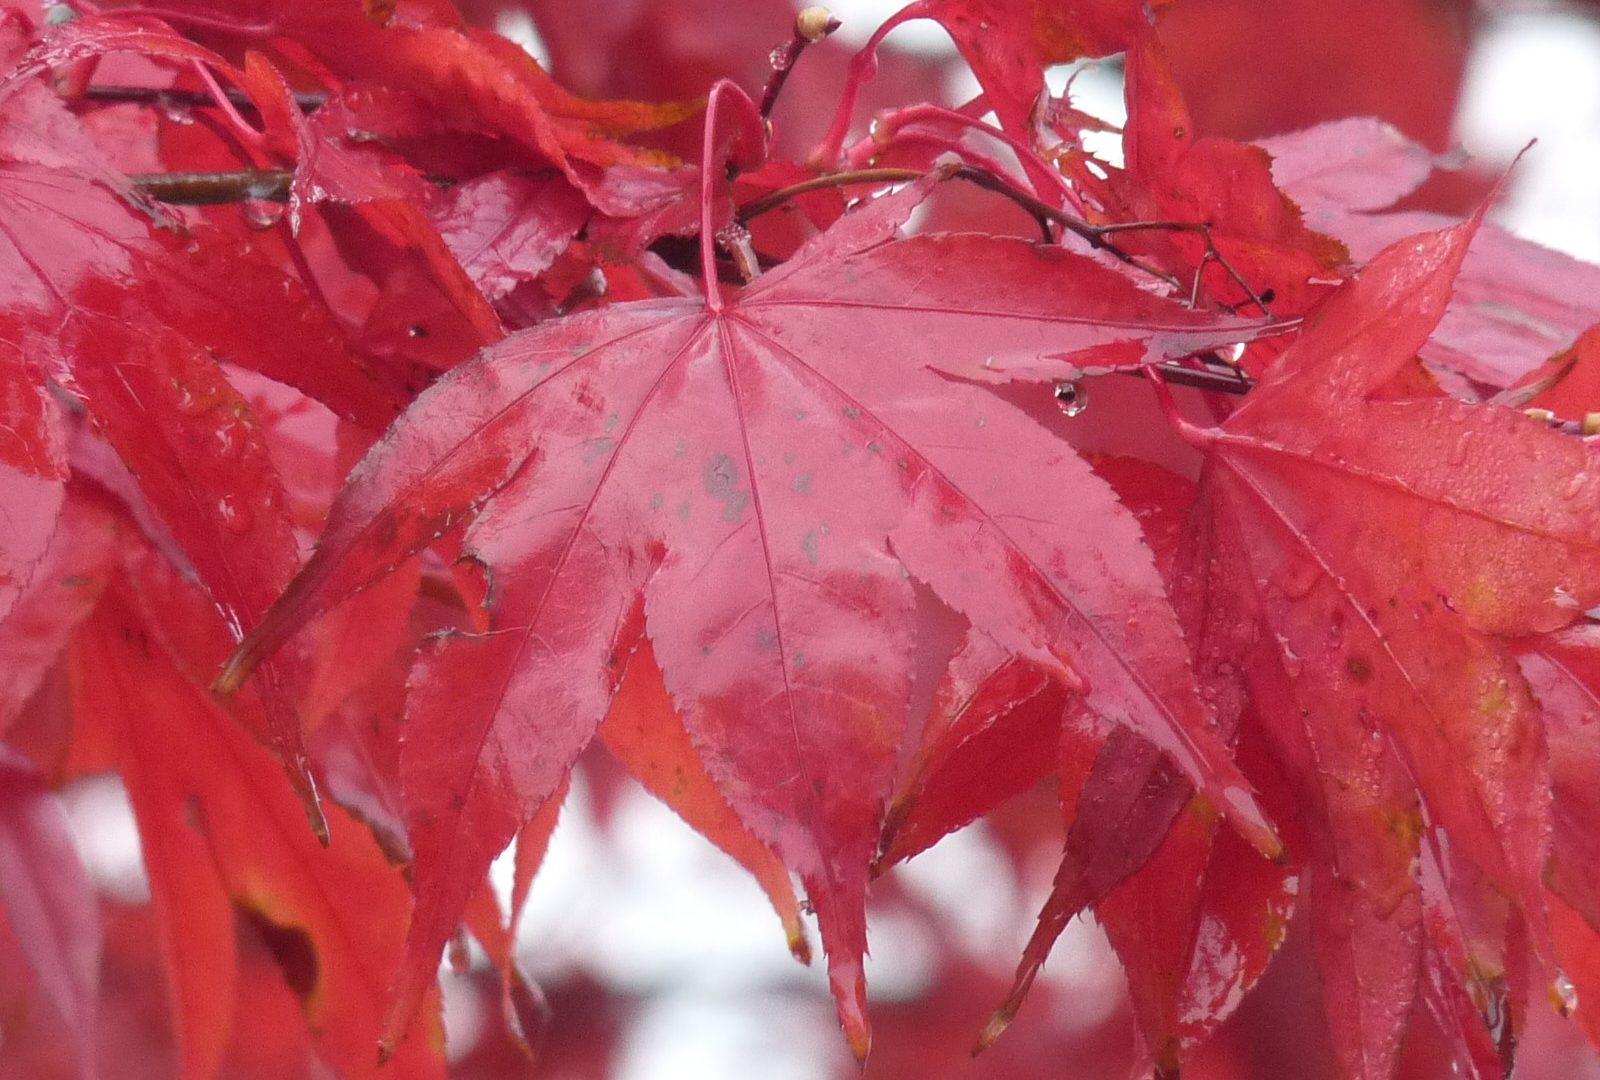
(995, 1027)
(799, 944)
(849, 984)
(1242, 809)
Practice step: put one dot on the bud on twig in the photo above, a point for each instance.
(815, 23)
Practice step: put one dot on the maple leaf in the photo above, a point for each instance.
(1515, 303)
(221, 836)
(49, 901)
(753, 481)
(1386, 544)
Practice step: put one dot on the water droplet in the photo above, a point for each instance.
(1071, 398)
(235, 514)
(1563, 994)
(174, 112)
(1575, 486)
(261, 213)
(779, 57)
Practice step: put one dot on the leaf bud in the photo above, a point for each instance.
(815, 23)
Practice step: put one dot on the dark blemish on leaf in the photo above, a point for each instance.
(657, 501)
(722, 483)
(597, 449)
(705, 650)
(611, 422)
(1360, 668)
(801, 483)
(799, 659)
(680, 448)
(683, 510)
(290, 946)
(417, 330)
(874, 448)
(851, 412)
(74, 581)
(766, 638)
(1178, 133)
(809, 545)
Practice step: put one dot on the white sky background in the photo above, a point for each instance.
(652, 908)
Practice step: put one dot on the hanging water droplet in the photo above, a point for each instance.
(261, 213)
(1563, 994)
(1071, 398)
(174, 112)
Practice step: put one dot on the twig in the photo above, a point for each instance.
(214, 188)
(308, 100)
(811, 25)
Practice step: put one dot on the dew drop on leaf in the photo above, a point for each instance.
(1563, 994)
(261, 213)
(1071, 397)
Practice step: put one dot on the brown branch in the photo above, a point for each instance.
(214, 188)
(308, 100)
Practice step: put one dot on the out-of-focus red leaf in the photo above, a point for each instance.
(50, 903)
(66, 583)
(32, 468)
(1250, 68)
(1515, 303)
(1564, 671)
(643, 475)
(1359, 163)
(1568, 384)
(645, 733)
(223, 834)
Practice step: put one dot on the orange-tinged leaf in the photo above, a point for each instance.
(644, 732)
(222, 804)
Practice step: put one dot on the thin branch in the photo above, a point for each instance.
(308, 100)
(811, 25)
(214, 188)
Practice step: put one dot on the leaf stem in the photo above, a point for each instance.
(746, 147)
(811, 25)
